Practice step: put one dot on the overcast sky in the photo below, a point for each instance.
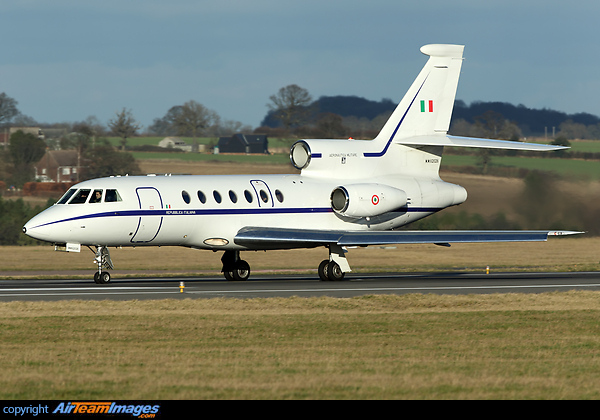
(64, 60)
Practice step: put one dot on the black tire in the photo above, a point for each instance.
(323, 270)
(242, 271)
(334, 272)
(228, 275)
(102, 278)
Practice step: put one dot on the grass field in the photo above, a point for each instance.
(542, 346)
(583, 169)
(592, 146)
(276, 159)
(564, 167)
(576, 145)
(558, 254)
(586, 169)
(153, 141)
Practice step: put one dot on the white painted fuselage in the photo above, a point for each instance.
(208, 211)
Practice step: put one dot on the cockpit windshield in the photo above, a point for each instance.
(67, 196)
(81, 197)
(75, 196)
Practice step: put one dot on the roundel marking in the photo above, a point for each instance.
(375, 200)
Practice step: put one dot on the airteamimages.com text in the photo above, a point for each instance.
(68, 408)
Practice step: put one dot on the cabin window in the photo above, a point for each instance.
(248, 195)
(264, 196)
(81, 197)
(217, 196)
(232, 196)
(96, 196)
(201, 197)
(186, 197)
(112, 196)
(67, 196)
(279, 196)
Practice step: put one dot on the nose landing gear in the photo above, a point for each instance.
(104, 262)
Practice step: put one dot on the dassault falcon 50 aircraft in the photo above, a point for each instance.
(349, 193)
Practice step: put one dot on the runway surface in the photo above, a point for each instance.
(296, 285)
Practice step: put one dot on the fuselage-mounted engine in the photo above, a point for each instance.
(366, 200)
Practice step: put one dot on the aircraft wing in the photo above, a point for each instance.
(273, 238)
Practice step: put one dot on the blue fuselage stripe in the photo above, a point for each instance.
(222, 212)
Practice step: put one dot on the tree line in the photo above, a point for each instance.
(292, 113)
(293, 109)
(89, 138)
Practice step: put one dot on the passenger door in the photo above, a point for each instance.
(149, 224)
(263, 193)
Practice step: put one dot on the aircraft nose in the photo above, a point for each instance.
(33, 230)
(27, 229)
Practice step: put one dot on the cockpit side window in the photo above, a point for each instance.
(67, 196)
(96, 196)
(81, 197)
(112, 196)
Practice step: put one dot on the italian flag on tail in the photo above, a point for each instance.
(428, 108)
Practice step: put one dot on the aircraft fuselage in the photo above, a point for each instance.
(207, 211)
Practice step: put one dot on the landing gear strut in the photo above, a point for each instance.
(336, 266)
(104, 262)
(233, 267)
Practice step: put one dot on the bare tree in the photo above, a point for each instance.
(192, 118)
(8, 108)
(189, 119)
(290, 105)
(124, 126)
(24, 150)
(331, 126)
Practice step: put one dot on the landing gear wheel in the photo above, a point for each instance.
(323, 270)
(104, 263)
(334, 272)
(242, 271)
(102, 278)
(234, 268)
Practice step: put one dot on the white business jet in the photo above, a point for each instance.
(349, 193)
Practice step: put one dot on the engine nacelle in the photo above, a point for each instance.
(366, 200)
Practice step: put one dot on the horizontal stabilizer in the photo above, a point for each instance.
(257, 237)
(457, 141)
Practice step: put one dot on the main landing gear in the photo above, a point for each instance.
(234, 268)
(104, 262)
(330, 271)
(336, 267)
(333, 269)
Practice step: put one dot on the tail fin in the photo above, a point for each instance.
(427, 106)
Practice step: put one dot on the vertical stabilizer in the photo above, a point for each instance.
(427, 106)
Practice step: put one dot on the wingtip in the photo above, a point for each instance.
(564, 233)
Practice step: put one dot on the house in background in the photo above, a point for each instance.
(9, 131)
(58, 166)
(243, 143)
(175, 143)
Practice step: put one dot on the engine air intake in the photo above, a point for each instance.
(366, 200)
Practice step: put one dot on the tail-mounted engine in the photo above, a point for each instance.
(366, 200)
(338, 158)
